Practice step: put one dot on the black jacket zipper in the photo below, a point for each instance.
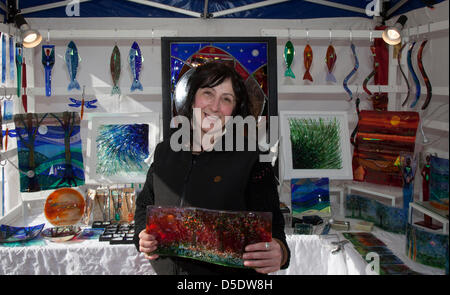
(186, 180)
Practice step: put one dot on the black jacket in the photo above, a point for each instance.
(219, 180)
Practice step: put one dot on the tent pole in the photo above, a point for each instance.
(205, 10)
(395, 8)
(48, 6)
(247, 7)
(167, 7)
(337, 5)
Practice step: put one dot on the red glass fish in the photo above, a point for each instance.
(424, 75)
(330, 61)
(6, 139)
(307, 60)
(24, 85)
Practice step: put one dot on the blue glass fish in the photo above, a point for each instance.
(3, 58)
(48, 60)
(135, 59)
(72, 59)
(11, 57)
(19, 61)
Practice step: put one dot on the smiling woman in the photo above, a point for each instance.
(218, 90)
(230, 180)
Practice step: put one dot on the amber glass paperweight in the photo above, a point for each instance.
(212, 236)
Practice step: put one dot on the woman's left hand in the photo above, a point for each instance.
(264, 257)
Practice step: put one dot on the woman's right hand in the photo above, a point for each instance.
(148, 244)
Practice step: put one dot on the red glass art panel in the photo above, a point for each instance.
(212, 236)
(382, 136)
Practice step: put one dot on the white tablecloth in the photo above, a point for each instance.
(87, 257)
(310, 254)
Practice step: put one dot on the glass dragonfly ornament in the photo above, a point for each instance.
(90, 104)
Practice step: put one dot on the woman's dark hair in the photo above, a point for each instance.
(210, 75)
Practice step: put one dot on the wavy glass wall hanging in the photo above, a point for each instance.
(49, 150)
(212, 236)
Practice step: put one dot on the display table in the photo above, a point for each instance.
(310, 255)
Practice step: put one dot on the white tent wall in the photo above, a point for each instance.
(94, 71)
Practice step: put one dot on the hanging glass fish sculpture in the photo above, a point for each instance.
(48, 61)
(330, 60)
(307, 61)
(413, 73)
(399, 57)
(115, 70)
(72, 59)
(135, 59)
(24, 85)
(288, 55)
(11, 57)
(19, 59)
(3, 58)
(355, 68)
(424, 75)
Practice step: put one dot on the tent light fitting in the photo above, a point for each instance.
(30, 38)
(392, 35)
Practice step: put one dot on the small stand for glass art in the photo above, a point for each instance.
(429, 210)
(114, 205)
(26, 199)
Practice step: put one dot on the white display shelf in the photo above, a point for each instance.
(355, 34)
(300, 89)
(340, 89)
(282, 89)
(89, 90)
(375, 191)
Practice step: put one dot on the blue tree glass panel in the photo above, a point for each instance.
(427, 247)
(49, 150)
(310, 197)
(386, 217)
(439, 189)
(122, 149)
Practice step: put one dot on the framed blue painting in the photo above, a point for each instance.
(254, 58)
